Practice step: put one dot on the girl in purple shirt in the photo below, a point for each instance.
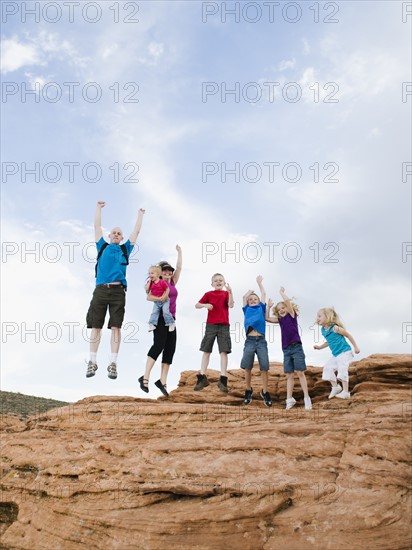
(286, 313)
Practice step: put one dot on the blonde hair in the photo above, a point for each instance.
(293, 304)
(156, 268)
(217, 275)
(332, 318)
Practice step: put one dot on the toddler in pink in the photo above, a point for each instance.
(158, 288)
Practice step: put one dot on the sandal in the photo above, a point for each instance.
(143, 386)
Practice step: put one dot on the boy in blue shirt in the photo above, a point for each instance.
(255, 327)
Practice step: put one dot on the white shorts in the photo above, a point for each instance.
(340, 363)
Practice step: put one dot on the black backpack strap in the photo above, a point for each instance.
(125, 254)
(104, 245)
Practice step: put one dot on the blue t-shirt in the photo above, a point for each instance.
(255, 318)
(109, 266)
(336, 342)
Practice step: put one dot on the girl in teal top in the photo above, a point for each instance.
(335, 334)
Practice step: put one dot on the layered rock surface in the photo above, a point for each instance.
(201, 471)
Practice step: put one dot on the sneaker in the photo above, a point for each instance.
(112, 371)
(222, 384)
(248, 396)
(290, 403)
(267, 400)
(162, 387)
(344, 395)
(152, 327)
(172, 327)
(308, 403)
(202, 382)
(334, 391)
(143, 386)
(91, 369)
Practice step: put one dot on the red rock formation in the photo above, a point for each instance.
(201, 471)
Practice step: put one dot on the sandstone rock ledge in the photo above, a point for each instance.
(201, 471)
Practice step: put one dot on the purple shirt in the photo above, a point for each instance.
(172, 297)
(289, 330)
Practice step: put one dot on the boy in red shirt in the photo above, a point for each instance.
(217, 302)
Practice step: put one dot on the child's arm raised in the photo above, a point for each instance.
(259, 280)
(246, 297)
(345, 333)
(268, 317)
(231, 301)
(287, 301)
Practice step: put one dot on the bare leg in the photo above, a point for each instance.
(149, 365)
(303, 383)
(290, 382)
(264, 376)
(205, 362)
(345, 385)
(223, 363)
(165, 372)
(95, 339)
(115, 340)
(248, 379)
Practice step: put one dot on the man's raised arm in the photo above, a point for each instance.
(137, 227)
(98, 232)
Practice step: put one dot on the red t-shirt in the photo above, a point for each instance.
(157, 289)
(220, 302)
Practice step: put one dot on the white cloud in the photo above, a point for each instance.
(155, 49)
(16, 55)
(287, 64)
(306, 46)
(375, 132)
(39, 49)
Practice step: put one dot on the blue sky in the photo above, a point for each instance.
(349, 237)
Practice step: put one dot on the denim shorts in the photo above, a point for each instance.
(255, 345)
(293, 358)
(219, 331)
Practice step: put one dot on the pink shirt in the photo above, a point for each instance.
(158, 289)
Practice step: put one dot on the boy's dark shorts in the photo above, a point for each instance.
(294, 358)
(219, 331)
(113, 298)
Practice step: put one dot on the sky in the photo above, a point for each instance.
(265, 138)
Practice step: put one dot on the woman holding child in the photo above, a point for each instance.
(163, 339)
